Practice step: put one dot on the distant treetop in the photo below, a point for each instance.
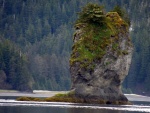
(92, 13)
(122, 13)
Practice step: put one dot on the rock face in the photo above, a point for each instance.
(100, 78)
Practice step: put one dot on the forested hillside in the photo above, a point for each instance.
(38, 37)
(139, 75)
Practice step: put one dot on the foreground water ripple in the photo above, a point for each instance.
(137, 108)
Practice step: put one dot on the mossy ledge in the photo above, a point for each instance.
(71, 98)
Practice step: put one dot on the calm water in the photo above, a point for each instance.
(24, 109)
(12, 106)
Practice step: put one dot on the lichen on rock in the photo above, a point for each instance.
(101, 55)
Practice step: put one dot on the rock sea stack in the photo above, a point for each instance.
(101, 56)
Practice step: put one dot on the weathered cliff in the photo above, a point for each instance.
(101, 57)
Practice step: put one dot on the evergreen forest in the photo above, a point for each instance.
(36, 41)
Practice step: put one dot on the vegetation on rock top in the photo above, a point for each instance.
(99, 31)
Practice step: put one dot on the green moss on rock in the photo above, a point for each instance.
(96, 36)
(28, 99)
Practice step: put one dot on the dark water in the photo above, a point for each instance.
(11, 106)
(24, 109)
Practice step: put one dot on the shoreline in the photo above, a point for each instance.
(36, 93)
(46, 93)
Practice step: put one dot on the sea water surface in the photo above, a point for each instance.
(13, 106)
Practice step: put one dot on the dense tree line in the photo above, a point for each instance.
(139, 75)
(14, 73)
(42, 30)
